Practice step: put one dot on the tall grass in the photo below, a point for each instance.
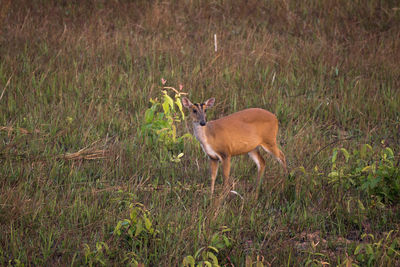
(76, 78)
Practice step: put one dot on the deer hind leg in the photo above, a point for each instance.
(275, 151)
(258, 159)
(214, 171)
(226, 168)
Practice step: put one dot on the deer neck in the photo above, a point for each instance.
(201, 133)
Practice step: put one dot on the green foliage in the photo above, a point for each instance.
(378, 252)
(137, 233)
(258, 262)
(160, 124)
(373, 173)
(97, 256)
(15, 263)
(208, 255)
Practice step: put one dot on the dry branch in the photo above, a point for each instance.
(88, 154)
(10, 129)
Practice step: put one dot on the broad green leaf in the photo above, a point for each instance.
(392, 249)
(160, 116)
(86, 248)
(361, 205)
(165, 106)
(227, 241)
(215, 238)
(169, 100)
(366, 168)
(302, 169)
(173, 132)
(259, 264)
(345, 153)
(226, 229)
(196, 69)
(388, 235)
(179, 104)
(371, 259)
(198, 252)
(358, 248)
(379, 243)
(186, 135)
(211, 256)
(363, 150)
(188, 261)
(334, 155)
(389, 152)
(147, 222)
(374, 181)
(130, 232)
(333, 174)
(153, 101)
(369, 249)
(148, 116)
(369, 147)
(365, 186)
(139, 228)
(133, 215)
(213, 248)
(348, 205)
(117, 229)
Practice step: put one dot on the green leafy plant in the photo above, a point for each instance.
(207, 255)
(97, 256)
(257, 262)
(137, 233)
(160, 123)
(15, 263)
(373, 173)
(374, 252)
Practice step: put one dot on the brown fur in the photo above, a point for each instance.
(239, 133)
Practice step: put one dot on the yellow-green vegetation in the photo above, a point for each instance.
(96, 169)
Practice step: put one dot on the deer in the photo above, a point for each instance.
(236, 134)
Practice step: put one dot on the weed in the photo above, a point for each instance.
(98, 256)
(374, 252)
(137, 234)
(374, 174)
(208, 255)
(160, 129)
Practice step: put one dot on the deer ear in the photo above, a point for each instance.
(210, 102)
(186, 102)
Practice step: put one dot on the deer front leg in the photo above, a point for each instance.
(214, 171)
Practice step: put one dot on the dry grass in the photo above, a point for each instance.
(76, 78)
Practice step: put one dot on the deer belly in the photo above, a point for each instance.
(243, 145)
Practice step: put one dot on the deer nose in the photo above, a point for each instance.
(202, 123)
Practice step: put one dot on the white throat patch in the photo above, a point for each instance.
(199, 132)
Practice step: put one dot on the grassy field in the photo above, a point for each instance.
(82, 183)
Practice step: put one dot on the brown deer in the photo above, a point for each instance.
(239, 133)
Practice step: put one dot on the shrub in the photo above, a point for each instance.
(373, 173)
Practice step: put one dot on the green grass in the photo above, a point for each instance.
(75, 82)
